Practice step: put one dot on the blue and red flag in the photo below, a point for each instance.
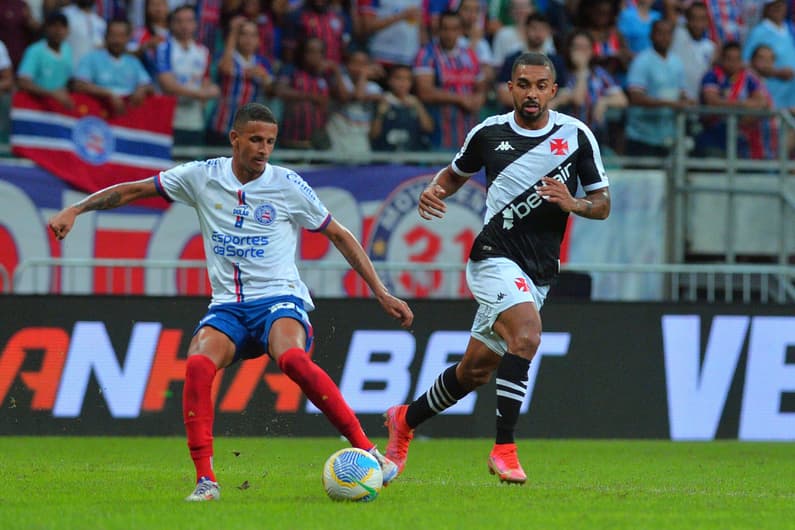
(87, 147)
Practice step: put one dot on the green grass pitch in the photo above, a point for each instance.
(274, 483)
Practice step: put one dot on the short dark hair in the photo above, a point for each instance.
(119, 20)
(695, 5)
(177, 9)
(534, 59)
(448, 13)
(731, 45)
(56, 17)
(536, 17)
(252, 112)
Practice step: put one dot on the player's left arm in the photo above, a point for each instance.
(352, 250)
(595, 204)
(591, 173)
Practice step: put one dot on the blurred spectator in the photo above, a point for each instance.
(449, 81)
(537, 32)
(730, 84)
(725, 20)
(315, 19)
(673, 10)
(306, 88)
(774, 33)
(244, 76)
(401, 122)
(510, 38)
(394, 28)
(269, 32)
(86, 29)
(563, 17)
(634, 24)
(498, 13)
(148, 37)
(6, 85)
(182, 67)
(6, 70)
(598, 17)
(656, 87)
(694, 48)
(18, 27)
(589, 90)
(46, 66)
(472, 21)
(763, 64)
(349, 124)
(112, 74)
(111, 9)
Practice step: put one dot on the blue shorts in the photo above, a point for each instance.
(248, 324)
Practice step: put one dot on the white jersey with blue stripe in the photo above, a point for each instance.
(250, 230)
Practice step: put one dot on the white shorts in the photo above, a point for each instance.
(498, 284)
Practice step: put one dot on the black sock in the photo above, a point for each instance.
(511, 391)
(443, 394)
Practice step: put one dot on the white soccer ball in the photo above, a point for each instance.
(352, 475)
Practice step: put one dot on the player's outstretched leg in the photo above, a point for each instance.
(402, 419)
(197, 413)
(511, 391)
(325, 395)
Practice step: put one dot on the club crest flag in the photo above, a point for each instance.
(89, 149)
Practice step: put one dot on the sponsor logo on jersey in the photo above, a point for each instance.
(238, 246)
(521, 284)
(559, 146)
(265, 214)
(504, 146)
(523, 207)
(240, 211)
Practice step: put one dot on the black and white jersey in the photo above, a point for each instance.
(519, 224)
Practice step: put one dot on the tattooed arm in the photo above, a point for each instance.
(106, 199)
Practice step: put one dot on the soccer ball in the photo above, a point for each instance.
(352, 475)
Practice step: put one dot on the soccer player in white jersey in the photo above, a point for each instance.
(250, 213)
(534, 159)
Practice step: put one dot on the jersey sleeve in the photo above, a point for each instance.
(181, 183)
(306, 208)
(469, 159)
(590, 169)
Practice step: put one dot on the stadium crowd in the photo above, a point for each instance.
(397, 75)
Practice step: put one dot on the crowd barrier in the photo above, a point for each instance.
(92, 366)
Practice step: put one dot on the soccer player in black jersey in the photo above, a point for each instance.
(534, 159)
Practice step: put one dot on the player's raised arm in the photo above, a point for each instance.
(350, 247)
(445, 183)
(105, 199)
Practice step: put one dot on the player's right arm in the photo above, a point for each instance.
(105, 199)
(445, 183)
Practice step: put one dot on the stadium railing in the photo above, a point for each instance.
(733, 186)
(680, 282)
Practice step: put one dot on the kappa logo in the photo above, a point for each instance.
(504, 146)
(500, 296)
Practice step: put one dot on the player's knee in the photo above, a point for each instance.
(293, 361)
(525, 344)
